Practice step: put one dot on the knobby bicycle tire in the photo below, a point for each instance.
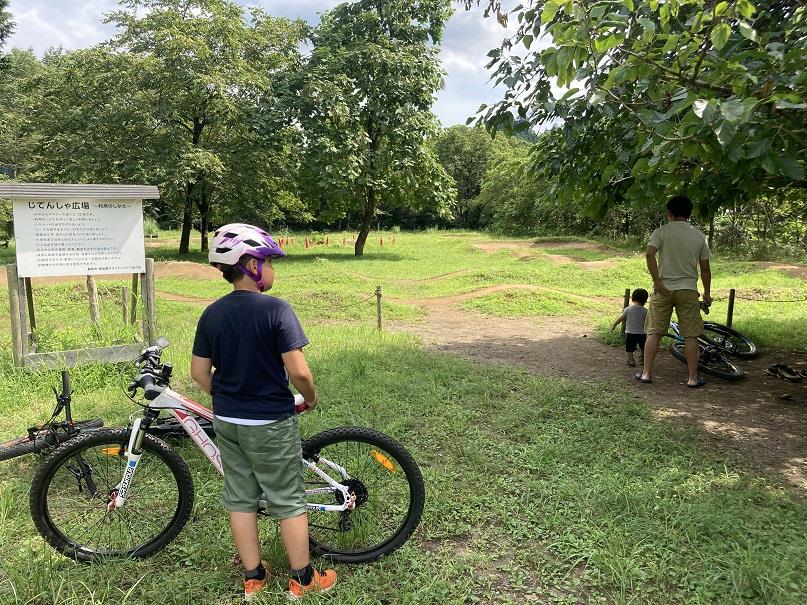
(71, 491)
(389, 489)
(44, 439)
(729, 340)
(717, 364)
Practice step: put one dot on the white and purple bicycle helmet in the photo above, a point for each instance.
(233, 241)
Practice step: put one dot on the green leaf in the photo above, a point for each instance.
(748, 32)
(785, 104)
(551, 9)
(607, 43)
(628, 4)
(725, 133)
(791, 167)
(732, 109)
(706, 110)
(527, 39)
(720, 35)
(720, 8)
(746, 8)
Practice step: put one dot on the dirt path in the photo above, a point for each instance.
(762, 421)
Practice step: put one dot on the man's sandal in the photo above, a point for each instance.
(780, 370)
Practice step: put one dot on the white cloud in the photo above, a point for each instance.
(468, 37)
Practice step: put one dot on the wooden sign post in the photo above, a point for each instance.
(81, 230)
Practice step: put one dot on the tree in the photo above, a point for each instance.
(208, 69)
(464, 153)
(707, 96)
(363, 99)
(6, 28)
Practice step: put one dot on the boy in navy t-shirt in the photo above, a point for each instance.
(634, 317)
(255, 343)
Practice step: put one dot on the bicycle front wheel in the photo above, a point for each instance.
(44, 439)
(387, 485)
(729, 340)
(710, 361)
(72, 491)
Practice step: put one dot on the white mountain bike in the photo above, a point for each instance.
(125, 492)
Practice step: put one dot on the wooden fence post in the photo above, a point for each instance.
(133, 301)
(14, 311)
(730, 310)
(92, 292)
(149, 307)
(378, 305)
(625, 302)
(29, 295)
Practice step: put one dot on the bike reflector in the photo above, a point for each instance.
(384, 461)
(111, 451)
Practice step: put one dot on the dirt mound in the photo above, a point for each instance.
(799, 271)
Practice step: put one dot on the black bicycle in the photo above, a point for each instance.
(54, 432)
(711, 358)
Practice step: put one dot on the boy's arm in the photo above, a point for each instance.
(652, 268)
(300, 375)
(202, 372)
(706, 278)
(619, 320)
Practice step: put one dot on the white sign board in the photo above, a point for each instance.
(70, 236)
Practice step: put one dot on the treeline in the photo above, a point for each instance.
(499, 188)
(224, 112)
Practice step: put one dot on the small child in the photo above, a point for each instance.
(634, 317)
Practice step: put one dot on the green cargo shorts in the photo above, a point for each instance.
(264, 459)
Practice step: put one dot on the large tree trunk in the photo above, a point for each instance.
(203, 203)
(187, 215)
(366, 221)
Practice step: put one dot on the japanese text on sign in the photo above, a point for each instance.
(78, 237)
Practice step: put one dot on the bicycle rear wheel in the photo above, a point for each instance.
(710, 361)
(44, 439)
(389, 494)
(71, 492)
(729, 340)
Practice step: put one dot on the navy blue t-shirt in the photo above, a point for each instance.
(244, 334)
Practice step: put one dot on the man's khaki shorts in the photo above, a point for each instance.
(687, 310)
(262, 459)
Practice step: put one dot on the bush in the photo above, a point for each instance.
(150, 227)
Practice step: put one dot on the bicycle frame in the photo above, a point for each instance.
(184, 410)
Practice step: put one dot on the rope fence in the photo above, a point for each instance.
(730, 298)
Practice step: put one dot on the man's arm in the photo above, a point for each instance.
(652, 268)
(202, 372)
(300, 375)
(706, 278)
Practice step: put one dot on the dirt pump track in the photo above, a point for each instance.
(760, 421)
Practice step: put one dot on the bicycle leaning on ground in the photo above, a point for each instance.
(714, 344)
(125, 492)
(54, 432)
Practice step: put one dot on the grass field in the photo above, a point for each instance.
(538, 489)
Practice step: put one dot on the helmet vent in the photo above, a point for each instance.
(222, 250)
(230, 234)
(252, 242)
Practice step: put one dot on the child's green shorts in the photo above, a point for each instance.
(264, 459)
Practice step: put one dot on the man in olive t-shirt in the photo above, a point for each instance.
(681, 248)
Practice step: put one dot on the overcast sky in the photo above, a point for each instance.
(41, 24)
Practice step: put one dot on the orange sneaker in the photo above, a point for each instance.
(321, 582)
(253, 587)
